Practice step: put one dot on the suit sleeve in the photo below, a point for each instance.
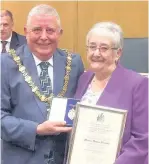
(14, 130)
(81, 66)
(136, 149)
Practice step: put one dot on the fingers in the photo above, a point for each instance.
(60, 127)
(59, 124)
(48, 128)
(63, 129)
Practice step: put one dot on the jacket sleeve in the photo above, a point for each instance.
(136, 149)
(81, 67)
(14, 130)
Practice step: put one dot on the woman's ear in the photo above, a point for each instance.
(118, 55)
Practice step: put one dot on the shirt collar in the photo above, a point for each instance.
(9, 39)
(38, 61)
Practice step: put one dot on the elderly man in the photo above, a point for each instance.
(30, 77)
(9, 38)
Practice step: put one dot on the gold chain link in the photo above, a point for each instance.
(34, 88)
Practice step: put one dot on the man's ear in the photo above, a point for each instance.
(61, 31)
(60, 34)
(12, 24)
(25, 30)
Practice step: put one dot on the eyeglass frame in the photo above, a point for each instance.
(99, 48)
(53, 31)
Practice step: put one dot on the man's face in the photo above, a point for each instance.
(6, 27)
(42, 34)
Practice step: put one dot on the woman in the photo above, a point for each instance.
(107, 83)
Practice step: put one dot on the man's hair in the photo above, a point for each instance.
(6, 13)
(43, 9)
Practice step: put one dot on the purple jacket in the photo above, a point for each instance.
(126, 90)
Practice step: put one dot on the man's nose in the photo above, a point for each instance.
(1, 27)
(44, 34)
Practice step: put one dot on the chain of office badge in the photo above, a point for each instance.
(34, 88)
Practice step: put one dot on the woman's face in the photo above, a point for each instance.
(101, 53)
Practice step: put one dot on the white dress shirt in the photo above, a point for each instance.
(50, 68)
(7, 45)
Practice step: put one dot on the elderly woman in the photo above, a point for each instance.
(107, 83)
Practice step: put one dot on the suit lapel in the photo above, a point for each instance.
(59, 63)
(29, 63)
(85, 83)
(109, 95)
(14, 41)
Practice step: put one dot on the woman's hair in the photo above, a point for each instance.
(108, 29)
(43, 9)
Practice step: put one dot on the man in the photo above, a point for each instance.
(9, 39)
(29, 78)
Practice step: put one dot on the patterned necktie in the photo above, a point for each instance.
(46, 87)
(4, 46)
(45, 81)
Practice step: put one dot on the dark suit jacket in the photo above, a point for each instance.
(22, 111)
(126, 90)
(17, 40)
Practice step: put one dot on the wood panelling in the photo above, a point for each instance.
(77, 17)
(131, 16)
(66, 10)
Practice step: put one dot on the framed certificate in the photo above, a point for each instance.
(96, 135)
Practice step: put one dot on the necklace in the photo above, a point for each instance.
(99, 86)
(103, 81)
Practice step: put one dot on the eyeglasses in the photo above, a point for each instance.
(50, 31)
(5, 25)
(100, 48)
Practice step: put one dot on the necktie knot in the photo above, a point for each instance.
(4, 43)
(44, 65)
(4, 46)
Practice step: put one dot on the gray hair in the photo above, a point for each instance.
(6, 13)
(109, 29)
(43, 9)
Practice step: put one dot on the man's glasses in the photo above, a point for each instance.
(100, 48)
(50, 31)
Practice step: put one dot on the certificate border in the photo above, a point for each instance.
(95, 107)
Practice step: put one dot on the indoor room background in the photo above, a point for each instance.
(77, 17)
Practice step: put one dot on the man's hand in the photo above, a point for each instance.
(51, 128)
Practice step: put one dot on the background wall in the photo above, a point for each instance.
(78, 17)
(131, 16)
(66, 10)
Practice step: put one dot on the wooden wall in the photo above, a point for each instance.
(77, 17)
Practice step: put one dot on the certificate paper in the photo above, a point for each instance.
(96, 135)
